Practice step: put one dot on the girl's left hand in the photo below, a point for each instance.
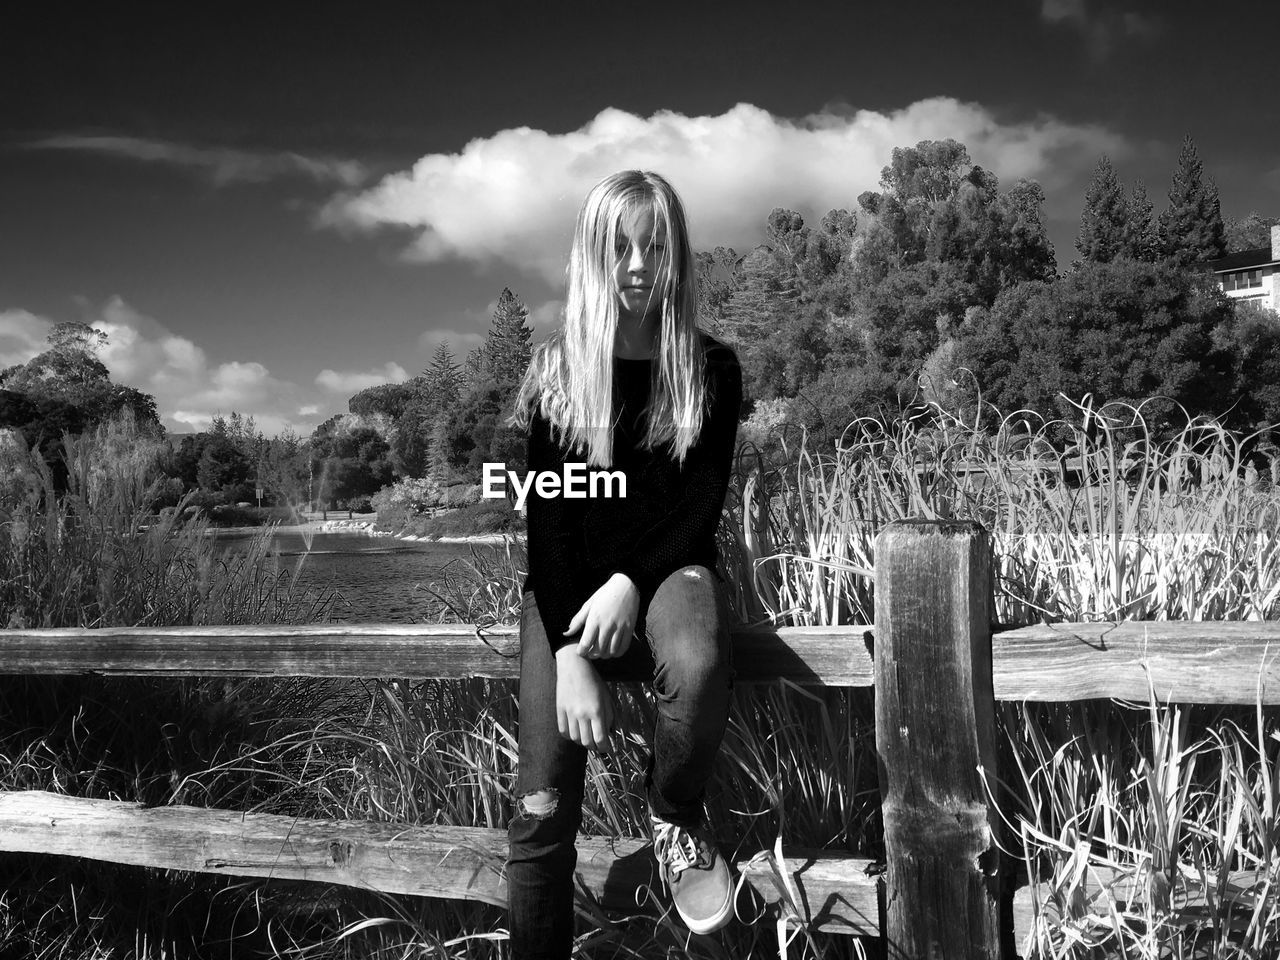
(607, 619)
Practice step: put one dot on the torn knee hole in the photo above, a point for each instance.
(540, 804)
(693, 574)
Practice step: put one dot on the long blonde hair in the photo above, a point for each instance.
(570, 376)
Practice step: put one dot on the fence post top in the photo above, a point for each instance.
(945, 528)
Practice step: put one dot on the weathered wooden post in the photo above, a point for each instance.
(935, 724)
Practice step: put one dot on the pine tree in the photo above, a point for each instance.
(1105, 218)
(765, 293)
(473, 368)
(443, 378)
(439, 451)
(1190, 230)
(1140, 240)
(509, 345)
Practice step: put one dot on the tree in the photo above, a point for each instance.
(1252, 338)
(223, 468)
(787, 236)
(926, 173)
(385, 399)
(790, 358)
(70, 373)
(409, 443)
(1140, 241)
(765, 293)
(827, 250)
(473, 368)
(440, 452)
(718, 277)
(477, 434)
(349, 463)
(1104, 222)
(508, 348)
(1190, 230)
(1122, 331)
(1249, 233)
(935, 206)
(444, 378)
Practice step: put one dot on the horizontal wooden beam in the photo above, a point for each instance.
(812, 656)
(837, 894)
(1184, 661)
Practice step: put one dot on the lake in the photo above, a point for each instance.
(376, 579)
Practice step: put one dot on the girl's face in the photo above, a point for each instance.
(640, 273)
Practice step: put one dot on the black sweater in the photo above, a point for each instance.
(669, 517)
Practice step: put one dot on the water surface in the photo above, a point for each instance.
(374, 579)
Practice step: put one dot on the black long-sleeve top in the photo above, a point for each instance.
(669, 517)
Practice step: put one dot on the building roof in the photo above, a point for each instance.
(1244, 260)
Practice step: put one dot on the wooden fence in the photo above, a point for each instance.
(937, 667)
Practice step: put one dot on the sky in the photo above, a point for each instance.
(268, 207)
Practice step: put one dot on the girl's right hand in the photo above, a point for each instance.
(584, 709)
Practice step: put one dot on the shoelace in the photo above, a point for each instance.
(675, 846)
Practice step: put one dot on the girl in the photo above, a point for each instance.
(629, 384)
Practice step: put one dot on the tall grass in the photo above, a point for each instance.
(1166, 800)
(92, 551)
(1160, 800)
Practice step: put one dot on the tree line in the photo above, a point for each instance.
(939, 287)
(441, 424)
(943, 287)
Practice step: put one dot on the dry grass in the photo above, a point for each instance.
(1108, 799)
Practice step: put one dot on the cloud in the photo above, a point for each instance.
(353, 381)
(460, 343)
(22, 336)
(1103, 28)
(222, 164)
(189, 390)
(546, 314)
(512, 197)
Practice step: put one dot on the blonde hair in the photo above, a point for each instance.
(570, 375)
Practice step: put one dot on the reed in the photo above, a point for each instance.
(91, 550)
(1119, 525)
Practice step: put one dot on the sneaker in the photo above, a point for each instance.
(695, 874)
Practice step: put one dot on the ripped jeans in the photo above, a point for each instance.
(689, 658)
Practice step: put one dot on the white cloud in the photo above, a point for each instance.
(222, 164)
(512, 196)
(22, 336)
(546, 314)
(189, 390)
(352, 381)
(460, 344)
(310, 410)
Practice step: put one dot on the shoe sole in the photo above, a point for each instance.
(713, 923)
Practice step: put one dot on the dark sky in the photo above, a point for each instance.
(207, 181)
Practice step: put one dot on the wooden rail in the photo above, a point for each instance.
(932, 656)
(1184, 661)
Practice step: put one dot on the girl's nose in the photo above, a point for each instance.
(638, 262)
